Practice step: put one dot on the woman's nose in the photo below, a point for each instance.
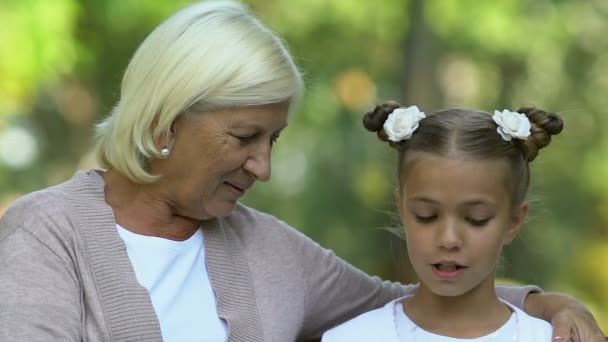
(258, 164)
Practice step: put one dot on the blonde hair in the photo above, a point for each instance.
(210, 55)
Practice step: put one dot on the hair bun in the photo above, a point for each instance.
(555, 124)
(544, 125)
(374, 121)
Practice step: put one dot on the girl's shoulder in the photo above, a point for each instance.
(375, 325)
(532, 328)
(380, 325)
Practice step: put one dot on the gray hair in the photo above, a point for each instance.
(210, 55)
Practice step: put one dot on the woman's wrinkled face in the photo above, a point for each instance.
(458, 216)
(217, 156)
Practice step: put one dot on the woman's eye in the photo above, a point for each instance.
(425, 219)
(251, 138)
(246, 139)
(478, 223)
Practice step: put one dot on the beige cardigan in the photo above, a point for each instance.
(65, 275)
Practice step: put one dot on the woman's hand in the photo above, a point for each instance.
(571, 320)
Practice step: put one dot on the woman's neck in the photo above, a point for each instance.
(474, 314)
(142, 209)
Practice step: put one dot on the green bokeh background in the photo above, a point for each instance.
(61, 62)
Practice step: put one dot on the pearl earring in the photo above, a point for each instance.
(164, 151)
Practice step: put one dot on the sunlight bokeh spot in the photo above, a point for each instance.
(18, 147)
(356, 90)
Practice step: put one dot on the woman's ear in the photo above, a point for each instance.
(518, 220)
(167, 139)
(172, 127)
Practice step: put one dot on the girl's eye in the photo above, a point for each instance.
(478, 223)
(274, 140)
(425, 219)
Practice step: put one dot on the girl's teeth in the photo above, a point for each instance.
(447, 268)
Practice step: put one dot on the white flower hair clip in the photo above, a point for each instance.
(402, 122)
(512, 125)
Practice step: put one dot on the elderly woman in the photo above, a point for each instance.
(157, 246)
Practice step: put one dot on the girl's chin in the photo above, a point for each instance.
(449, 292)
(447, 289)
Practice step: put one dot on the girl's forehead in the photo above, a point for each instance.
(458, 177)
(425, 160)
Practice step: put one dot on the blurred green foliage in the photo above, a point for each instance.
(61, 62)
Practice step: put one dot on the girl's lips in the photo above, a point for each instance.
(450, 272)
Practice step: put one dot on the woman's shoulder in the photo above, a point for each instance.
(250, 224)
(244, 213)
(31, 207)
(375, 325)
(50, 206)
(247, 220)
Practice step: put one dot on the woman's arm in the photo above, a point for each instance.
(571, 320)
(39, 295)
(336, 291)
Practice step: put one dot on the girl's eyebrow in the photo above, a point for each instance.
(424, 200)
(470, 203)
(477, 202)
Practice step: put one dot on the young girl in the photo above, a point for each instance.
(463, 178)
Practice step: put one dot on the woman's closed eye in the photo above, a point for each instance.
(248, 139)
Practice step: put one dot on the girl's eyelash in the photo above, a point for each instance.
(425, 219)
(473, 222)
(478, 223)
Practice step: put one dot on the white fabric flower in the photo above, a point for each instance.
(402, 122)
(512, 125)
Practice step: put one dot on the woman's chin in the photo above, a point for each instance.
(216, 210)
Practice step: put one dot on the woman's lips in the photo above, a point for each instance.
(237, 190)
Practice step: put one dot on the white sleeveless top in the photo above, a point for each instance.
(391, 324)
(175, 274)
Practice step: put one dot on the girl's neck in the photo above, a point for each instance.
(476, 313)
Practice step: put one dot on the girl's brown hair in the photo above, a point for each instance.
(472, 134)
